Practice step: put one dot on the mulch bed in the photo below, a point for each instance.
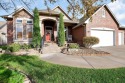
(84, 52)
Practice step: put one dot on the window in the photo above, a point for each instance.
(24, 28)
(19, 31)
(18, 21)
(103, 13)
(29, 31)
(29, 21)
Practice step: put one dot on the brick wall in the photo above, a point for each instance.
(78, 34)
(99, 21)
(9, 31)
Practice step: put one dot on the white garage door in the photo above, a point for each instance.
(121, 38)
(106, 37)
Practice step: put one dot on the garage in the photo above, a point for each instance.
(106, 37)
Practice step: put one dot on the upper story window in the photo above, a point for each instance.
(19, 21)
(30, 21)
(103, 13)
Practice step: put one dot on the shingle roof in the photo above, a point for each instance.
(48, 11)
(2, 24)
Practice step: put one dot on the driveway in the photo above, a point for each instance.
(117, 59)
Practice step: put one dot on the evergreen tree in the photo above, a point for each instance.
(36, 41)
(61, 32)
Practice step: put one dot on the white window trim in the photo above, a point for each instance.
(16, 34)
(19, 19)
(103, 13)
(32, 32)
(22, 39)
(29, 20)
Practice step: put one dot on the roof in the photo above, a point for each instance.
(85, 19)
(2, 24)
(18, 10)
(63, 11)
(123, 27)
(70, 21)
(45, 11)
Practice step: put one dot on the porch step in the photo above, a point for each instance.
(51, 48)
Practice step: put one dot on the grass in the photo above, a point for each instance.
(44, 72)
(10, 76)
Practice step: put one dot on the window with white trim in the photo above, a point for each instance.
(29, 31)
(24, 29)
(29, 28)
(19, 28)
(19, 31)
(103, 13)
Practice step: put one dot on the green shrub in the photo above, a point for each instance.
(4, 47)
(73, 45)
(14, 47)
(25, 46)
(88, 42)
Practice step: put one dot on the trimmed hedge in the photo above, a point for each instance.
(88, 42)
(73, 45)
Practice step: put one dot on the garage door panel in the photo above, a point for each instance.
(106, 37)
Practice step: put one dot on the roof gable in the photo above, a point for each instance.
(60, 10)
(86, 20)
(20, 9)
(15, 12)
(109, 11)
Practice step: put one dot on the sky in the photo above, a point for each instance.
(117, 7)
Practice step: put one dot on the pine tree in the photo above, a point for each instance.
(36, 41)
(61, 32)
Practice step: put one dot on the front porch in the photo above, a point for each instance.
(50, 30)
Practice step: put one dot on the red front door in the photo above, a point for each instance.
(48, 36)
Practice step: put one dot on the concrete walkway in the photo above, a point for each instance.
(117, 59)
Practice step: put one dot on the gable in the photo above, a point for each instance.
(97, 17)
(22, 13)
(99, 21)
(59, 10)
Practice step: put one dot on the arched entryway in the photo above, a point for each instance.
(50, 30)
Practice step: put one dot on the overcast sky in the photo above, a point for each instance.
(117, 7)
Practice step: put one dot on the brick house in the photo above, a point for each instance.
(3, 32)
(104, 25)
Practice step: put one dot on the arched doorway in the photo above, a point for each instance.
(49, 30)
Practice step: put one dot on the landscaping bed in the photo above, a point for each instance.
(84, 52)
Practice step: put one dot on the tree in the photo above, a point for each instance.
(75, 7)
(36, 41)
(61, 32)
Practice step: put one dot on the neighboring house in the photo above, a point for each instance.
(3, 32)
(103, 25)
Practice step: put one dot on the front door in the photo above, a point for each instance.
(48, 35)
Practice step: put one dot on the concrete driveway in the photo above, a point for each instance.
(117, 59)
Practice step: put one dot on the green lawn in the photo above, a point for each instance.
(44, 72)
(10, 76)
